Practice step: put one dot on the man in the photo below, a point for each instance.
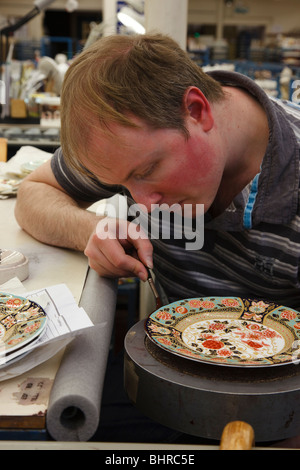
(139, 117)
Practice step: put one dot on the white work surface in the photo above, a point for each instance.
(24, 399)
(48, 265)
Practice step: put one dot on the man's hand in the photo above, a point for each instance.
(121, 250)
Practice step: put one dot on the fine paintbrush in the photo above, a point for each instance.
(153, 288)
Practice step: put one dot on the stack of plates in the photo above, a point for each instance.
(22, 322)
(29, 167)
(8, 187)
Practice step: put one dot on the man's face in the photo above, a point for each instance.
(158, 166)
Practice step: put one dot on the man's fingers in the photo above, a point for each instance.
(127, 233)
(110, 256)
(141, 242)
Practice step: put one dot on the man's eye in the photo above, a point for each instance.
(145, 174)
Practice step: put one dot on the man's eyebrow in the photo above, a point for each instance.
(119, 183)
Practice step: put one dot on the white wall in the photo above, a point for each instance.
(277, 15)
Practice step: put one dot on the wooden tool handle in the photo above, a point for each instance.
(237, 435)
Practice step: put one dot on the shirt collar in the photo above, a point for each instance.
(272, 196)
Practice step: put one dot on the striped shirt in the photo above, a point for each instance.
(253, 248)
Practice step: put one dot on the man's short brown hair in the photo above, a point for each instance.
(119, 76)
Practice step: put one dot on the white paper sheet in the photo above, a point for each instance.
(64, 316)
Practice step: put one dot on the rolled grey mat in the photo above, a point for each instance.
(74, 406)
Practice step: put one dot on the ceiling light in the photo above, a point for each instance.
(132, 20)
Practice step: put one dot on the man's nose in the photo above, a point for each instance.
(146, 199)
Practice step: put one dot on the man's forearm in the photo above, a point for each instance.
(52, 217)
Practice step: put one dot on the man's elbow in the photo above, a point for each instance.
(22, 207)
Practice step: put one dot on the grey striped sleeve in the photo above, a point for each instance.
(79, 186)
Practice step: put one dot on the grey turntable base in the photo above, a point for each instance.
(200, 399)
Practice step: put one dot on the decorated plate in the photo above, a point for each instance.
(227, 331)
(21, 321)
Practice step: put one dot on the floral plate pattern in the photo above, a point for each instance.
(227, 331)
(21, 321)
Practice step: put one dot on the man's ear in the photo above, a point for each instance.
(198, 108)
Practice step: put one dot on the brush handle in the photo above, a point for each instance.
(149, 273)
(153, 288)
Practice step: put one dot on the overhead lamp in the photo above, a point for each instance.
(132, 19)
